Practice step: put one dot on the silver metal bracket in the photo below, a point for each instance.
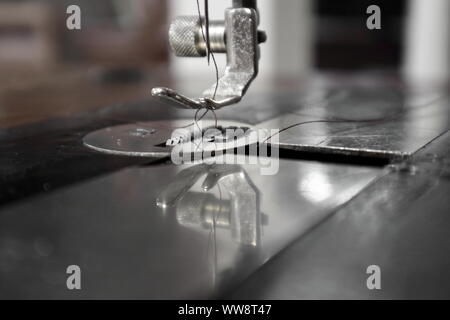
(238, 36)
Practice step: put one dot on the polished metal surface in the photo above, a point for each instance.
(203, 246)
(385, 123)
(242, 58)
(158, 139)
(400, 223)
(365, 124)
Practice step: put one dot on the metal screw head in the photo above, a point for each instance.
(184, 36)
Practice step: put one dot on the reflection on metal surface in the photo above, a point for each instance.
(239, 212)
(235, 208)
(112, 228)
(315, 186)
(400, 222)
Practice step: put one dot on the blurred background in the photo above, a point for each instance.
(122, 48)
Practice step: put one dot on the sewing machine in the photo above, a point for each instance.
(362, 180)
(237, 36)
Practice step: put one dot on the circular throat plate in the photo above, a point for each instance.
(149, 139)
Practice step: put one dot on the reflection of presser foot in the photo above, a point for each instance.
(240, 213)
(237, 36)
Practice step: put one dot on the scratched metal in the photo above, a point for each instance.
(369, 123)
(165, 231)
